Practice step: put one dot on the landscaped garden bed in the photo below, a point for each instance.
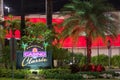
(57, 74)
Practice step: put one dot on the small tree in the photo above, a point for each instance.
(37, 33)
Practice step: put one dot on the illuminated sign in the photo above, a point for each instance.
(34, 57)
(34, 53)
(27, 61)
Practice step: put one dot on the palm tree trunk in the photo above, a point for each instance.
(22, 18)
(88, 45)
(49, 13)
(49, 9)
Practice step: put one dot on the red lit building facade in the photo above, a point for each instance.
(98, 45)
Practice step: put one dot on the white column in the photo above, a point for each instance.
(1, 9)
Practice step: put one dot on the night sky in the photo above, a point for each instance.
(38, 6)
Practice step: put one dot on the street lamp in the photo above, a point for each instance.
(7, 8)
(109, 52)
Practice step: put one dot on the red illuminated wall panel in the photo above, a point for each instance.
(68, 41)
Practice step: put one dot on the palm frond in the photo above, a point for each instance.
(88, 14)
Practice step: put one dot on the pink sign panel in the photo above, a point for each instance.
(34, 54)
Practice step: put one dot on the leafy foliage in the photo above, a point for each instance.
(36, 33)
(103, 60)
(87, 18)
(12, 23)
(6, 56)
(116, 60)
(60, 53)
(83, 61)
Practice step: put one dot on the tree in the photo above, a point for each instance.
(89, 17)
(38, 31)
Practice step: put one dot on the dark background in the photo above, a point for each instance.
(38, 6)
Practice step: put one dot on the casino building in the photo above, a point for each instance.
(98, 45)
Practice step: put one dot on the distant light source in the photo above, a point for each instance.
(8, 8)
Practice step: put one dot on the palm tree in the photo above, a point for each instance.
(89, 17)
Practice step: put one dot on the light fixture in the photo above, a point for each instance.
(8, 8)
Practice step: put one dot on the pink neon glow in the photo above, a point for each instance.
(34, 54)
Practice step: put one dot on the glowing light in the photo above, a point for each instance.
(34, 54)
(8, 9)
(34, 71)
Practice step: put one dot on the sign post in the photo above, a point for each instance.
(12, 37)
(12, 52)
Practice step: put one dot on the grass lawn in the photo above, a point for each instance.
(9, 79)
(53, 79)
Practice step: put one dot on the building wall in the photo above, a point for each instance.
(96, 51)
(81, 47)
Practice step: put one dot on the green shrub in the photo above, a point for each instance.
(8, 73)
(5, 73)
(54, 71)
(71, 77)
(101, 59)
(19, 74)
(6, 57)
(78, 57)
(82, 61)
(59, 74)
(115, 61)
